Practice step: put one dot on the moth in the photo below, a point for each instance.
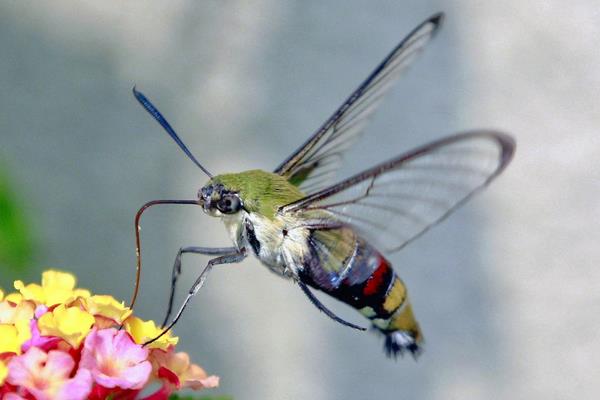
(336, 238)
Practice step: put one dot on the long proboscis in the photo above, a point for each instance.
(138, 246)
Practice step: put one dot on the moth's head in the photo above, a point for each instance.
(217, 199)
(253, 191)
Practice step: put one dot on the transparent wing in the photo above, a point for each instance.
(331, 252)
(315, 163)
(395, 202)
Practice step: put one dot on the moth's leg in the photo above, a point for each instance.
(313, 299)
(208, 251)
(235, 257)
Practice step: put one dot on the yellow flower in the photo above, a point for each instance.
(9, 342)
(142, 331)
(57, 341)
(70, 323)
(9, 313)
(14, 297)
(3, 372)
(107, 307)
(13, 336)
(33, 291)
(57, 287)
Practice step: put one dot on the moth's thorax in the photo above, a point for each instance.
(279, 242)
(233, 225)
(276, 240)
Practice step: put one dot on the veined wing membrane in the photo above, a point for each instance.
(395, 202)
(314, 164)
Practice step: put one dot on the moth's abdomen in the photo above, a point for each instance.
(371, 286)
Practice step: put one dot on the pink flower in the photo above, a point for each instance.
(177, 370)
(60, 342)
(43, 342)
(115, 360)
(37, 340)
(13, 396)
(46, 375)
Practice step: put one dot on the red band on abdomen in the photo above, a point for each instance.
(377, 279)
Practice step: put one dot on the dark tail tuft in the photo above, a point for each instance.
(397, 342)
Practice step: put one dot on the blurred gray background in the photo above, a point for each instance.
(506, 290)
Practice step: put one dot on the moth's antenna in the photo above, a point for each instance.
(167, 127)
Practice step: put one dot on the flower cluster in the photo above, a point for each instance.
(61, 342)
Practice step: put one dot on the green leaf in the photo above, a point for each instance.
(16, 245)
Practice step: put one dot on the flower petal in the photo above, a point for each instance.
(20, 368)
(13, 396)
(142, 331)
(47, 375)
(3, 372)
(10, 312)
(59, 364)
(78, 387)
(57, 280)
(108, 307)
(32, 291)
(170, 376)
(37, 340)
(206, 383)
(130, 378)
(14, 297)
(177, 370)
(115, 360)
(70, 323)
(10, 340)
(59, 287)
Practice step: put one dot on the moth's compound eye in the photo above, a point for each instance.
(205, 191)
(229, 204)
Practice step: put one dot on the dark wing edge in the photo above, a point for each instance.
(319, 200)
(311, 154)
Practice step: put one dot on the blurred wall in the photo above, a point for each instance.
(506, 289)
